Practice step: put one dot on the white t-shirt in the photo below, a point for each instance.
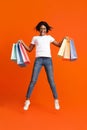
(42, 45)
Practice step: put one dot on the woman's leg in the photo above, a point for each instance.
(49, 71)
(36, 70)
(35, 73)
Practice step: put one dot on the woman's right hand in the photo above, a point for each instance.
(21, 41)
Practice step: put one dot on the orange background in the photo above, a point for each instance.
(17, 21)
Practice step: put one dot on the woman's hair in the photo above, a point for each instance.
(43, 23)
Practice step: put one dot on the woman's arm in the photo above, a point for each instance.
(58, 44)
(28, 48)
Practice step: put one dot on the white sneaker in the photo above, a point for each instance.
(56, 103)
(27, 103)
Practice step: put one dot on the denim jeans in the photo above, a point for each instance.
(47, 63)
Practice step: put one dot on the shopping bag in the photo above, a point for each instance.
(62, 48)
(13, 53)
(24, 54)
(73, 54)
(66, 54)
(19, 56)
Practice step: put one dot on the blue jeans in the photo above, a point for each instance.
(47, 63)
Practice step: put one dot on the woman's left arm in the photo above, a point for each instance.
(58, 44)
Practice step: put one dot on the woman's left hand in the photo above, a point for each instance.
(67, 38)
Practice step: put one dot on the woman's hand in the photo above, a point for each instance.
(28, 48)
(21, 41)
(67, 38)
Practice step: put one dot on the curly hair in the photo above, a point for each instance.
(45, 24)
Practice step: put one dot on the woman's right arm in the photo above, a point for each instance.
(28, 48)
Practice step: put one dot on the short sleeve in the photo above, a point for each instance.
(51, 38)
(33, 40)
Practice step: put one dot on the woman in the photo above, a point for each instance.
(43, 58)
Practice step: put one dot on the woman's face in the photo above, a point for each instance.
(43, 30)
